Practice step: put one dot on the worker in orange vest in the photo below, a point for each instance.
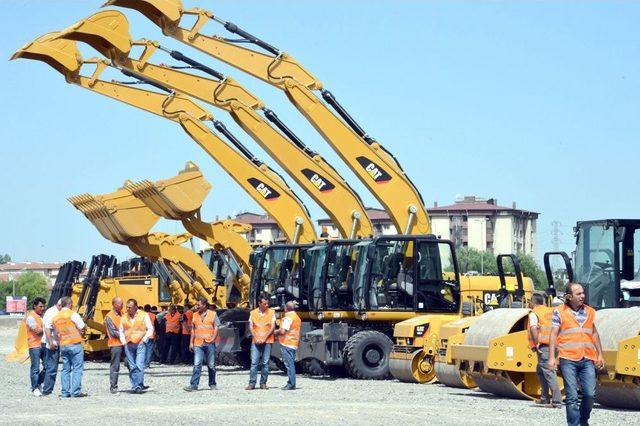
(35, 330)
(576, 338)
(112, 323)
(187, 316)
(135, 331)
(172, 335)
(262, 323)
(539, 333)
(204, 334)
(69, 328)
(289, 339)
(152, 340)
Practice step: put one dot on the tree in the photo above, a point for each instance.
(531, 269)
(29, 284)
(5, 259)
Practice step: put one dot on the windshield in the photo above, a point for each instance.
(314, 261)
(359, 265)
(406, 275)
(337, 290)
(595, 263)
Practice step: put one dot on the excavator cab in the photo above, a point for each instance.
(607, 262)
(277, 271)
(327, 271)
(406, 273)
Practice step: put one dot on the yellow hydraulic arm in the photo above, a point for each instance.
(108, 32)
(374, 165)
(262, 183)
(123, 219)
(180, 198)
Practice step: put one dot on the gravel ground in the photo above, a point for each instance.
(318, 401)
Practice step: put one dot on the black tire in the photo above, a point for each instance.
(242, 358)
(279, 364)
(366, 355)
(312, 367)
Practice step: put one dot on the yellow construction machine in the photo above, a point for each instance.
(423, 343)
(494, 350)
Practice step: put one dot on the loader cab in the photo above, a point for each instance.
(405, 273)
(327, 269)
(607, 262)
(277, 270)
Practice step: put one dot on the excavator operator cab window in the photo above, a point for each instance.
(278, 274)
(338, 293)
(407, 275)
(313, 277)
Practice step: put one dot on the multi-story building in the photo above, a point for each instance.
(470, 221)
(12, 270)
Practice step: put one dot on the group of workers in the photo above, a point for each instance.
(57, 334)
(566, 337)
(563, 337)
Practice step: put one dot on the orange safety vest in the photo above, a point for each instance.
(134, 329)
(172, 323)
(186, 322)
(545, 315)
(574, 341)
(115, 318)
(204, 327)
(261, 324)
(152, 317)
(291, 337)
(34, 339)
(66, 330)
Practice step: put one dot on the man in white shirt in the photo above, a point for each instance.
(51, 355)
(135, 331)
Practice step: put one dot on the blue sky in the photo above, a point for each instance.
(536, 103)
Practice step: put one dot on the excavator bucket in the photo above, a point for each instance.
(61, 54)
(176, 197)
(20, 351)
(155, 10)
(104, 31)
(118, 216)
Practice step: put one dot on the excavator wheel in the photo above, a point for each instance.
(366, 355)
(416, 367)
(615, 325)
(313, 367)
(452, 376)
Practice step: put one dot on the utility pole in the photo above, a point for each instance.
(555, 235)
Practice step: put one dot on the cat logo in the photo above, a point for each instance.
(376, 172)
(265, 190)
(490, 299)
(318, 180)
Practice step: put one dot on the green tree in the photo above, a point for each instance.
(30, 284)
(532, 269)
(5, 259)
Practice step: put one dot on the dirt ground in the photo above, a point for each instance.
(318, 401)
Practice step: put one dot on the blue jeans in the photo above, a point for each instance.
(149, 352)
(37, 356)
(289, 359)
(206, 351)
(72, 362)
(136, 357)
(260, 355)
(584, 372)
(51, 358)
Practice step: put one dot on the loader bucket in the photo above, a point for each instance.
(174, 198)
(20, 352)
(61, 54)
(118, 216)
(155, 10)
(103, 31)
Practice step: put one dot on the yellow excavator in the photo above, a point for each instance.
(108, 33)
(376, 167)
